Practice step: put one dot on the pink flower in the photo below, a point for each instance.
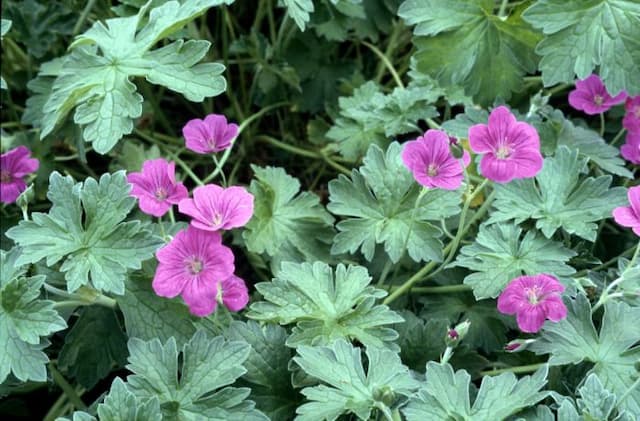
(511, 148)
(192, 265)
(591, 96)
(629, 216)
(431, 162)
(212, 134)
(14, 166)
(630, 150)
(156, 187)
(233, 293)
(215, 208)
(533, 299)
(631, 120)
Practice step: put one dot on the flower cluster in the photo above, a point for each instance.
(631, 121)
(195, 263)
(15, 165)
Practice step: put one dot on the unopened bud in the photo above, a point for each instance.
(518, 345)
(25, 198)
(455, 335)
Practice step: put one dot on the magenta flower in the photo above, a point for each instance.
(511, 148)
(533, 299)
(15, 164)
(233, 293)
(431, 162)
(630, 150)
(631, 120)
(156, 187)
(591, 96)
(215, 208)
(629, 216)
(192, 265)
(210, 135)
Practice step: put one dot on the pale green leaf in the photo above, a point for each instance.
(500, 253)
(300, 11)
(347, 388)
(25, 321)
(582, 35)
(325, 305)
(95, 77)
(189, 386)
(120, 404)
(446, 395)
(379, 200)
(462, 42)
(559, 197)
(85, 230)
(286, 222)
(612, 352)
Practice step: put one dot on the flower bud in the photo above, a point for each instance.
(518, 345)
(456, 334)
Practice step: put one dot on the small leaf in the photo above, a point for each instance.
(300, 11)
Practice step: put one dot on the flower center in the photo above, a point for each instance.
(217, 219)
(161, 193)
(194, 265)
(534, 295)
(598, 99)
(503, 152)
(5, 176)
(432, 170)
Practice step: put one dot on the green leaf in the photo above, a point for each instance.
(326, 306)
(120, 404)
(445, 395)
(25, 321)
(379, 201)
(85, 230)
(419, 340)
(582, 35)
(461, 42)
(6, 25)
(189, 386)
(94, 346)
(299, 11)
(286, 224)
(558, 197)
(596, 401)
(268, 368)
(148, 316)
(348, 389)
(612, 352)
(95, 76)
(370, 117)
(499, 254)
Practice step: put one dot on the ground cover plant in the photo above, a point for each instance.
(320, 210)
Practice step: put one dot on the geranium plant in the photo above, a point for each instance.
(320, 210)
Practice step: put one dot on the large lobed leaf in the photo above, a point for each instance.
(583, 34)
(499, 254)
(378, 201)
(25, 321)
(614, 351)
(461, 42)
(85, 230)
(95, 78)
(326, 306)
(445, 395)
(559, 198)
(348, 388)
(287, 224)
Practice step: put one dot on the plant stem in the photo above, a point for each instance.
(303, 152)
(68, 390)
(448, 353)
(503, 8)
(440, 289)
(86, 295)
(517, 369)
(386, 62)
(628, 391)
(605, 296)
(617, 137)
(602, 124)
(604, 265)
(83, 17)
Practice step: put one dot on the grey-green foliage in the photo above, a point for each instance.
(6, 25)
(559, 197)
(85, 229)
(25, 321)
(371, 117)
(499, 254)
(267, 367)
(326, 305)
(445, 395)
(300, 11)
(378, 204)
(613, 352)
(346, 387)
(95, 77)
